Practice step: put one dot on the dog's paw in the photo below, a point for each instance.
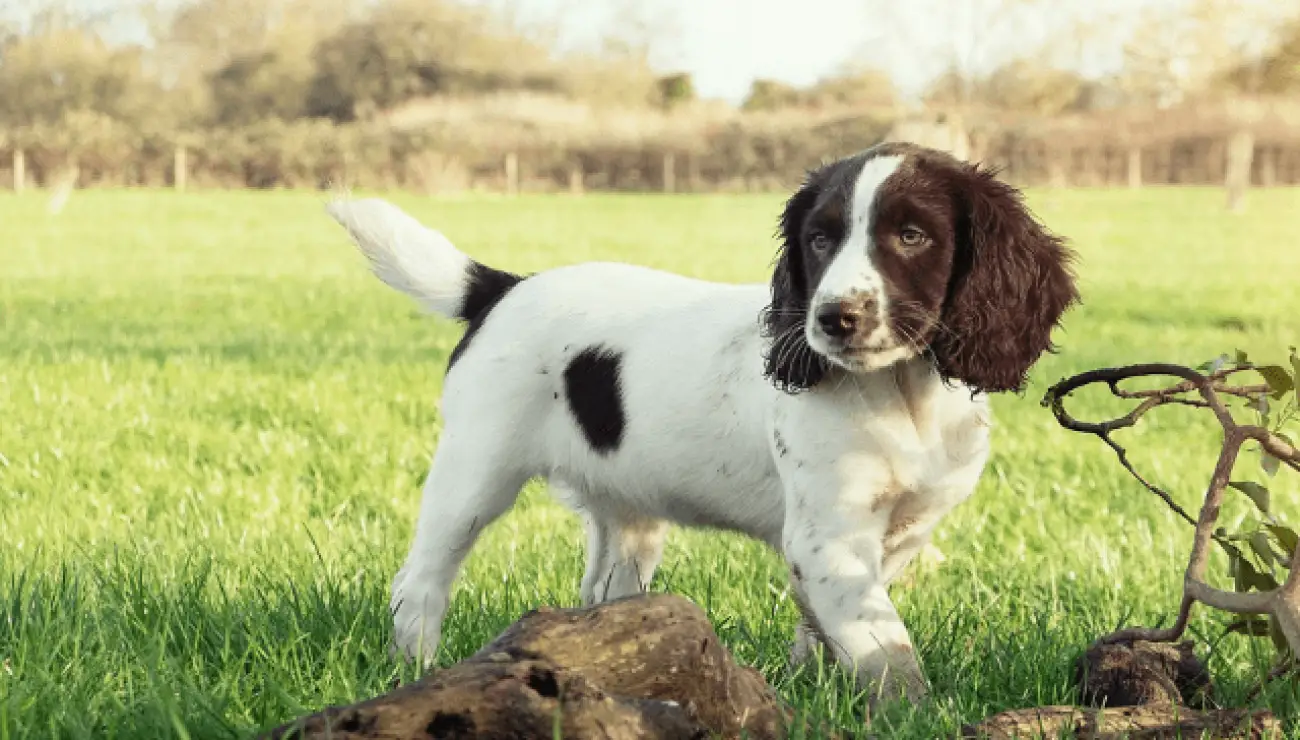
(417, 621)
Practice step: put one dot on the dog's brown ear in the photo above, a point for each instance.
(790, 363)
(1012, 281)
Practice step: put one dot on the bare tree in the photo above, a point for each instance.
(973, 38)
(1175, 52)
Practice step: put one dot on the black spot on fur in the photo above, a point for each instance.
(594, 390)
(782, 448)
(485, 287)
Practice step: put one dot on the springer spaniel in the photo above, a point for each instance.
(837, 414)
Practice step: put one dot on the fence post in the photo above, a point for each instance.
(180, 167)
(670, 173)
(1268, 167)
(575, 178)
(512, 173)
(1056, 169)
(20, 170)
(1241, 151)
(1135, 167)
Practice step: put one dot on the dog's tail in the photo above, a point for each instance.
(420, 261)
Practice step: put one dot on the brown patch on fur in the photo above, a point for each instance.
(887, 497)
(899, 525)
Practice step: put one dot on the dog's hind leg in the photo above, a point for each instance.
(622, 557)
(468, 488)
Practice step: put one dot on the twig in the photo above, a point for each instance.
(1282, 603)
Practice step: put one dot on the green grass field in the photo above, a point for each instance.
(214, 424)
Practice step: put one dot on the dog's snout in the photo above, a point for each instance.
(843, 318)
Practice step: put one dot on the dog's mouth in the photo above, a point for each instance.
(866, 349)
(859, 358)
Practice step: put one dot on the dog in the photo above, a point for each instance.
(836, 414)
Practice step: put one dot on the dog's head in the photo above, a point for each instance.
(901, 251)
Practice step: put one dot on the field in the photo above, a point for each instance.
(214, 424)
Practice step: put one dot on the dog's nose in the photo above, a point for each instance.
(840, 319)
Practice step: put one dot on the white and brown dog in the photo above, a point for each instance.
(836, 414)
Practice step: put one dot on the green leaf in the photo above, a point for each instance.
(1252, 626)
(1295, 366)
(1259, 543)
(1248, 577)
(1278, 379)
(1268, 463)
(1286, 537)
(1263, 581)
(1256, 492)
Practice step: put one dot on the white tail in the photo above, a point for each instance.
(406, 254)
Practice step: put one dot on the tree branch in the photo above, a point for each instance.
(1282, 603)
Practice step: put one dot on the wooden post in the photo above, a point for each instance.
(1241, 151)
(512, 173)
(20, 170)
(575, 178)
(1056, 169)
(180, 167)
(1268, 167)
(670, 174)
(1135, 167)
(693, 173)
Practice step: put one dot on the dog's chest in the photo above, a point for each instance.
(888, 450)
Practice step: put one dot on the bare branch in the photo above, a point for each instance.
(1282, 603)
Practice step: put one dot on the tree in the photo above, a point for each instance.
(1032, 86)
(854, 87)
(258, 86)
(407, 49)
(53, 72)
(1175, 52)
(1277, 71)
(768, 95)
(235, 61)
(975, 38)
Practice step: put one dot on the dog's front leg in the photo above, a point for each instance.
(836, 561)
(836, 568)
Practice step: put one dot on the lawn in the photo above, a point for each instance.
(214, 424)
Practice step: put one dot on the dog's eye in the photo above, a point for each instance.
(911, 237)
(818, 241)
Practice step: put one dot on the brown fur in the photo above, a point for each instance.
(981, 296)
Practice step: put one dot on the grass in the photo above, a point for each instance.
(214, 425)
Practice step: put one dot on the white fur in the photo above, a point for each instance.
(821, 475)
(406, 254)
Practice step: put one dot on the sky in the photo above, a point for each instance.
(727, 44)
